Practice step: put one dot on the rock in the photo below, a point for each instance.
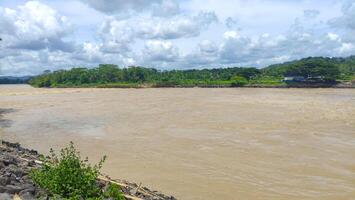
(13, 179)
(13, 145)
(13, 189)
(41, 194)
(2, 164)
(27, 196)
(31, 163)
(133, 191)
(5, 196)
(2, 189)
(33, 152)
(26, 178)
(15, 170)
(28, 188)
(9, 160)
(4, 181)
(7, 174)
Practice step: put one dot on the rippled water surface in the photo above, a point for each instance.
(200, 143)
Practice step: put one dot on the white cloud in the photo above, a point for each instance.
(231, 23)
(160, 51)
(34, 26)
(171, 34)
(231, 35)
(347, 20)
(207, 47)
(333, 36)
(149, 27)
(166, 8)
(346, 47)
(311, 13)
(112, 6)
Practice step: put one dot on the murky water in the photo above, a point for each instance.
(200, 143)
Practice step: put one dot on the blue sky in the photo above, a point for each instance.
(170, 34)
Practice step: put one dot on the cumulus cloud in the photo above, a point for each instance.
(311, 14)
(117, 35)
(207, 47)
(347, 20)
(298, 42)
(206, 54)
(34, 26)
(231, 23)
(148, 27)
(160, 51)
(166, 8)
(171, 34)
(35, 37)
(114, 6)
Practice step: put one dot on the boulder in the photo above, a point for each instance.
(26, 196)
(5, 196)
(2, 164)
(4, 181)
(28, 188)
(13, 189)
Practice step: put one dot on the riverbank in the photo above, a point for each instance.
(17, 162)
(350, 84)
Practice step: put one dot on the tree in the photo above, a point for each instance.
(249, 73)
(314, 69)
(239, 81)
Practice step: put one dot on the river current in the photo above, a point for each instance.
(199, 143)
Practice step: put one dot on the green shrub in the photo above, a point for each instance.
(113, 191)
(72, 178)
(238, 81)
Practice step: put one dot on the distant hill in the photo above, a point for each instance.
(345, 65)
(14, 79)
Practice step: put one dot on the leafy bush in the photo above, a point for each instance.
(238, 81)
(70, 177)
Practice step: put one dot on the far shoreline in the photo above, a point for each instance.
(301, 86)
(341, 85)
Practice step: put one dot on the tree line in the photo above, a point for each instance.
(328, 69)
(108, 73)
(14, 80)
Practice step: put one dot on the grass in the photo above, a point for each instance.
(267, 81)
(99, 85)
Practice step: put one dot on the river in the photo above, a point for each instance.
(199, 143)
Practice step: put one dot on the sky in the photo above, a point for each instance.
(170, 34)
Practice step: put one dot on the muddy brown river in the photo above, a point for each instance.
(195, 143)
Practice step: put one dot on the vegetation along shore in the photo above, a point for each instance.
(307, 72)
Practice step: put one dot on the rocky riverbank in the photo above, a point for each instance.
(16, 163)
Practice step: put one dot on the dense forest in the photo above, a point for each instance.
(327, 70)
(14, 80)
(346, 66)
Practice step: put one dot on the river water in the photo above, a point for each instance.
(199, 143)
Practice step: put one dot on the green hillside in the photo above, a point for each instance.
(346, 66)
